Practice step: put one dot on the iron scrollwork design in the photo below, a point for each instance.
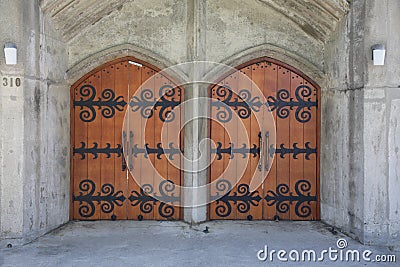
(255, 151)
(108, 103)
(243, 103)
(231, 150)
(169, 99)
(282, 150)
(158, 151)
(284, 103)
(107, 198)
(283, 198)
(243, 198)
(146, 198)
(95, 150)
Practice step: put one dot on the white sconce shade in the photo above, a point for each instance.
(10, 53)
(378, 54)
(135, 63)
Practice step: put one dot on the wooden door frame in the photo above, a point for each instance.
(72, 118)
(308, 79)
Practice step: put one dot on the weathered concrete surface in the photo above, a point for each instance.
(166, 31)
(359, 164)
(228, 243)
(195, 130)
(227, 18)
(382, 207)
(34, 181)
(89, 26)
(157, 26)
(360, 102)
(342, 183)
(11, 120)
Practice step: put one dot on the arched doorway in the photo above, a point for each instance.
(102, 186)
(291, 189)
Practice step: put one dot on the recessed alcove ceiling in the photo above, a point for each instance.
(318, 18)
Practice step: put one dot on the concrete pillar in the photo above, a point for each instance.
(360, 159)
(197, 128)
(34, 120)
(381, 130)
(11, 122)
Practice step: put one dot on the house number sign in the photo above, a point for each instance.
(11, 82)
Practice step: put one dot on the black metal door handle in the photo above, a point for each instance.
(130, 153)
(123, 167)
(261, 146)
(267, 150)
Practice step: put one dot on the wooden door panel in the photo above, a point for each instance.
(290, 190)
(140, 209)
(102, 182)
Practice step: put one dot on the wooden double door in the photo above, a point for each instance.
(291, 189)
(102, 182)
(104, 185)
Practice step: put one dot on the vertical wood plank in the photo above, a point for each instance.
(94, 136)
(310, 163)
(160, 162)
(283, 137)
(171, 134)
(244, 82)
(258, 85)
(108, 139)
(80, 168)
(296, 137)
(231, 141)
(270, 183)
(148, 172)
(217, 166)
(133, 137)
(120, 174)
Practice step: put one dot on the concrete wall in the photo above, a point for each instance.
(34, 181)
(11, 105)
(342, 142)
(258, 25)
(359, 158)
(155, 26)
(381, 130)
(161, 32)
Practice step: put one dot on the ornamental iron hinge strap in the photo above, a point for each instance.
(108, 103)
(244, 103)
(147, 103)
(225, 197)
(108, 198)
(172, 150)
(282, 198)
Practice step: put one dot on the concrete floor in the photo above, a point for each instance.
(153, 243)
